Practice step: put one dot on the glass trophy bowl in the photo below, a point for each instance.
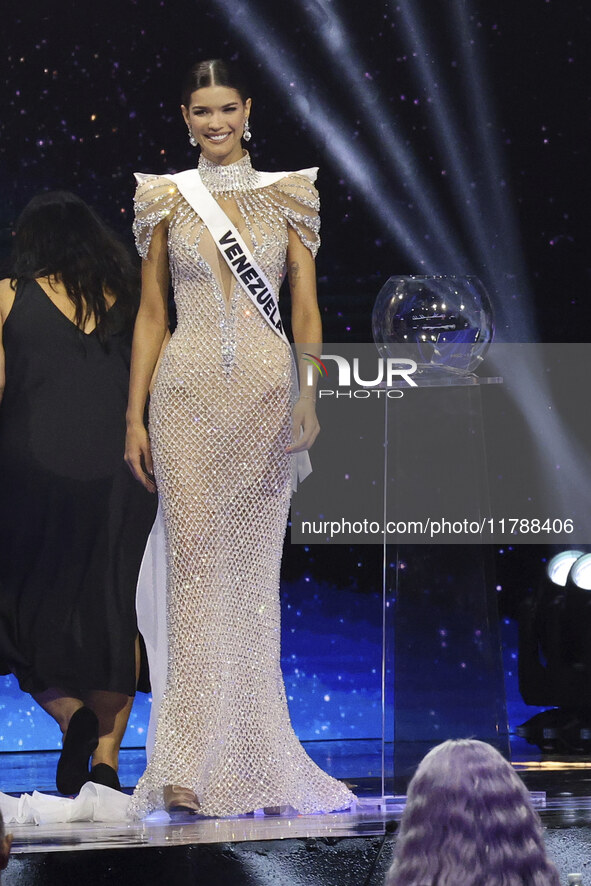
(446, 321)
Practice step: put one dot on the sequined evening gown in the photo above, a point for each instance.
(220, 419)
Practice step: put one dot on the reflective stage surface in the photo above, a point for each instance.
(36, 770)
(368, 818)
(285, 850)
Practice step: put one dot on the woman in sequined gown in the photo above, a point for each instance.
(223, 433)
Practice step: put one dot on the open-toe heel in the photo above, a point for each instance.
(179, 801)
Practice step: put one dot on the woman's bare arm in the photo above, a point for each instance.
(307, 333)
(149, 334)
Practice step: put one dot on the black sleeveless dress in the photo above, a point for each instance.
(73, 521)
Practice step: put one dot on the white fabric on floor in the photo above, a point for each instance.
(95, 802)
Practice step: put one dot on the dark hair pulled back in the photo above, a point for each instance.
(213, 72)
(58, 235)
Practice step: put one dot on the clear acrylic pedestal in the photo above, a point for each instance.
(442, 667)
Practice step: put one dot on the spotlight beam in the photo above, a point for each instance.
(448, 128)
(355, 164)
(514, 309)
(561, 459)
(331, 32)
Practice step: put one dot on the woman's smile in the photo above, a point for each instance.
(210, 110)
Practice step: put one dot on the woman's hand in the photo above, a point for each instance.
(304, 427)
(138, 456)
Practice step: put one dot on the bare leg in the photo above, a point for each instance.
(112, 710)
(78, 737)
(58, 705)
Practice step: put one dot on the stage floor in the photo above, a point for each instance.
(285, 850)
(368, 818)
(23, 772)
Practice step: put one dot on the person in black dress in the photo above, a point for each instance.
(73, 522)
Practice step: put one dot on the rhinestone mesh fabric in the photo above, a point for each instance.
(219, 423)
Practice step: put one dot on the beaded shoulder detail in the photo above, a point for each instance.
(300, 203)
(293, 197)
(156, 198)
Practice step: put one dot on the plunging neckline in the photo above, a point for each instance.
(222, 267)
(224, 182)
(65, 316)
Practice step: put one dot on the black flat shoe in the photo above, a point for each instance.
(102, 773)
(80, 740)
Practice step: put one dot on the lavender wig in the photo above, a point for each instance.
(469, 822)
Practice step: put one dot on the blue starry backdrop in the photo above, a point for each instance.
(451, 138)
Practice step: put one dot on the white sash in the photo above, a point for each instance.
(232, 247)
(230, 244)
(241, 262)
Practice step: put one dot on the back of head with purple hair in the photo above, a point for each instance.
(469, 822)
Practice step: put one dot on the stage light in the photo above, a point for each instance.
(555, 656)
(580, 573)
(559, 566)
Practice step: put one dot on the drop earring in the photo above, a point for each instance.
(247, 134)
(192, 140)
